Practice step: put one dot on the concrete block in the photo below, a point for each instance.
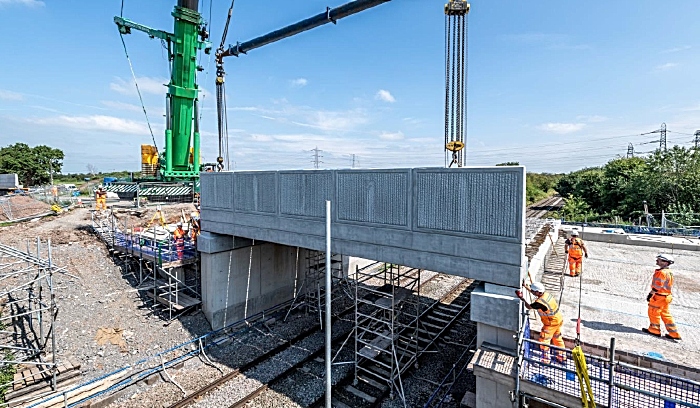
(469, 400)
(495, 309)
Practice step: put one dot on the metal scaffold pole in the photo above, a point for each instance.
(328, 304)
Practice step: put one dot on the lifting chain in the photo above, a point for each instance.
(456, 12)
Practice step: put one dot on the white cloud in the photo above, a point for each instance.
(96, 123)
(561, 128)
(666, 66)
(299, 82)
(29, 3)
(325, 120)
(391, 135)
(9, 95)
(676, 49)
(149, 85)
(385, 96)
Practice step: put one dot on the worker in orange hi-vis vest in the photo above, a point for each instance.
(660, 298)
(179, 238)
(552, 319)
(576, 249)
(100, 199)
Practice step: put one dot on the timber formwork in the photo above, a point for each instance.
(387, 310)
(165, 273)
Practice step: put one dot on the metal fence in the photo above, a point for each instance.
(625, 385)
(642, 229)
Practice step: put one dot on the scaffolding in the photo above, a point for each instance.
(387, 310)
(28, 310)
(311, 294)
(164, 272)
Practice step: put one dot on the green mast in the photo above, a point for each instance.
(182, 122)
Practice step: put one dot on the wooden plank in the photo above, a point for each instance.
(35, 376)
(40, 385)
(84, 391)
(43, 392)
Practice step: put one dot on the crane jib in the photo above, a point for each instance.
(330, 15)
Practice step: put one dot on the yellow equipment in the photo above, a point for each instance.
(157, 216)
(454, 146)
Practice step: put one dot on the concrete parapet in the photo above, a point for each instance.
(641, 240)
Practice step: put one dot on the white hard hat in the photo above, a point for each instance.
(665, 257)
(179, 224)
(537, 287)
(574, 233)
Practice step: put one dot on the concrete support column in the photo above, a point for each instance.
(241, 278)
(495, 308)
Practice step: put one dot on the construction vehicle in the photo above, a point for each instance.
(177, 166)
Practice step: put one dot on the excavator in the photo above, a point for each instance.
(178, 165)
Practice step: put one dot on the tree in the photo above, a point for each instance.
(509, 164)
(33, 165)
(92, 169)
(576, 209)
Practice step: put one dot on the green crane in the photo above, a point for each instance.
(181, 159)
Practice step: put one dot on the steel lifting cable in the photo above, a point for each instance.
(133, 75)
(447, 83)
(221, 110)
(455, 80)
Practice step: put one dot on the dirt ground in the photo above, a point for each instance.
(15, 207)
(94, 297)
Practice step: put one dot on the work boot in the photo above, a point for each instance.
(668, 336)
(645, 330)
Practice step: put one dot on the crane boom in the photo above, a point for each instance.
(331, 15)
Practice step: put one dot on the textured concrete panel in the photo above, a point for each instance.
(477, 202)
(466, 221)
(255, 192)
(305, 193)
(218, 193)
(373, 196)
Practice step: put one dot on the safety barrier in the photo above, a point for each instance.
(624, 384)
(161, 250)
(641, 229)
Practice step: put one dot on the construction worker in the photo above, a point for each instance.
(54, 193)
(100, 199)
(660, 298)
(552, 319)
(196, 227)
(179, 238)
(576, 249)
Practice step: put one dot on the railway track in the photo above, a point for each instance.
(542, 207)
(299, 344)
(372, 385)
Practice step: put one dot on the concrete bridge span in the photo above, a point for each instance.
(466, 221)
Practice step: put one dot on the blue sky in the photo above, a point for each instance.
(555, 85)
